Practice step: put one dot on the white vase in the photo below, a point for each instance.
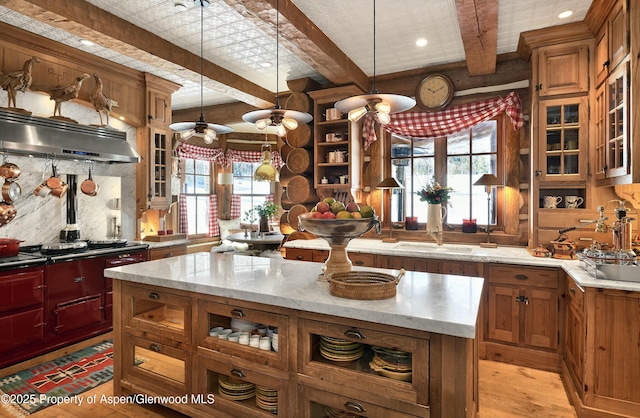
(435, 213)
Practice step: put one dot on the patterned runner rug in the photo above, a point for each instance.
(57, 381)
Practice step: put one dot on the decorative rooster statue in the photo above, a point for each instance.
(64, 93)
(101, 102)
(17, 81)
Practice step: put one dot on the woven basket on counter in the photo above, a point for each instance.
(364, 285)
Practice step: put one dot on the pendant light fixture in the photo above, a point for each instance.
(208, 131)
(266, 171)
(379, 105)
(282, 119)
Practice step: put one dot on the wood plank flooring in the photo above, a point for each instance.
(506, 391)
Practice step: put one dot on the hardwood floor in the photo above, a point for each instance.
(506, 391)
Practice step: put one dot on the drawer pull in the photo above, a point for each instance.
(155, 347)
(299, 257)
(354, 333)
(237, 312)
(572, 290)
(167, 255)
(358, 262)
(521, 276)
(154, 296)
(238, 373)
(354, 406)
(79, 279)
(121, 256)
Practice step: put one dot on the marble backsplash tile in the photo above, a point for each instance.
(40, 220)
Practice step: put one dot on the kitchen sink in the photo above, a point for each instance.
(432, 248)
(619, 272)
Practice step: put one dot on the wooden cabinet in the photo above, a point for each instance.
(159, 105)
(574, 330)
(303, 254)
(562, 69)
(159, 168)
(336, 152)
(166, 252)
(522, 311)
(612, 41)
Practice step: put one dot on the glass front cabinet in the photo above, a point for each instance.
(563, 140)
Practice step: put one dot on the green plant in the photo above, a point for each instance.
(267, 209)
(434, 192)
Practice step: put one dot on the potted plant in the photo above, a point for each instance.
(265, 211)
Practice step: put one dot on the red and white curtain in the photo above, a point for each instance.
(251, 157)
(195, 152)
(214, 225)
(235, 206)
(449, 121)
(184, 219)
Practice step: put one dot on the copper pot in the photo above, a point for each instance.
(9, 247)
(7, 213)
(10, 191)
(89, 187)
(9, 171)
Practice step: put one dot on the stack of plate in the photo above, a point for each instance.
(235, 390)
(394, 364)
(336, 349)
(267, 399)
(337, 413)
(239, 325)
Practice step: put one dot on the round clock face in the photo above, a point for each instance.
(434, 92)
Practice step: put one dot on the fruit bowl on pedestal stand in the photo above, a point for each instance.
(338, 233)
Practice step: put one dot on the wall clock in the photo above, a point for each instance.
(435, 92)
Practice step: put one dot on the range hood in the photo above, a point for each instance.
(32, 135)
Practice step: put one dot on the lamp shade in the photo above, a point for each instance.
(225, 179)
(488, 180)
(389, 183)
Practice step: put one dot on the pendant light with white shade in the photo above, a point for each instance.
(208, 131)
(377, 104)
(282, 119)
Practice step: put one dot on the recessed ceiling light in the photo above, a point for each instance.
(565, 14)
(421, 42)
(265, 64)
(86, 42)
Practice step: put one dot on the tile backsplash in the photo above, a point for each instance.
(40, 220)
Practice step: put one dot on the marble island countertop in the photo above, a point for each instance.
(465, 252)
(444, 304)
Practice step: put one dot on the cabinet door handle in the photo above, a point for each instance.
(572, 290)
(521, 276)
(354, 406)
(155, 347)
(79, 279)
(154, 296)
(237, 312)
(354, 333)
(358, 262)
(238, 373)
(299, 257)
(167, 255)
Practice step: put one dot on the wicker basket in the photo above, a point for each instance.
(363, 285)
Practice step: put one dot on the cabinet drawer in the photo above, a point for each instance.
(575, 294)
(524, 276)
(363, 259)
(21, 329)
(358, 374)
(315, 403)
(266, 396)
(156, 311)
(299, 254)
(19, 290)
(166, 252)
(212, 315)
(162, 367)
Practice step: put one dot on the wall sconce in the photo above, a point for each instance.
(225, 180)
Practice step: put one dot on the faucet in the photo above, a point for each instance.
(437, 235)
(600, 225)
(116, 228)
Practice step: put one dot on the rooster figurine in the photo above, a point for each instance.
(64, 93)
(17, 81)
(101, 102)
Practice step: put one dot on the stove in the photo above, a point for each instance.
(68, 251)
(22, 260)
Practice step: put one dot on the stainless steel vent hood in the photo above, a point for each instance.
(24, 134)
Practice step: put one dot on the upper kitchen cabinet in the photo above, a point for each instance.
(612, 41)
(159, 168)
(159, 103)
(562, 69)
(338, 154)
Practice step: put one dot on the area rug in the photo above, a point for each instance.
(57, 381)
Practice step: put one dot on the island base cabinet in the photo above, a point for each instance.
(240, 391)
(315, 403)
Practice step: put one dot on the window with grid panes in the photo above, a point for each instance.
(197, 187)
(252, 193)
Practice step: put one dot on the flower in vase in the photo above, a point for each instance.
(434, 193)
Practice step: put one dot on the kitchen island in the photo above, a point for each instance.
(163, 346)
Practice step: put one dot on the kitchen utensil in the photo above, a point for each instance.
(7, 213)
(89, 187)
(551, 202)
(9, 171)
(11, 191)
(573, 201)
(333, 114)
(9, 247)
(42, 190)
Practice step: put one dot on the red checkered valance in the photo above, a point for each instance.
(449, 121)
(195, 152)
(251, 157)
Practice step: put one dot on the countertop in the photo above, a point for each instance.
(162, 244)
(462, 252)
(444, 304)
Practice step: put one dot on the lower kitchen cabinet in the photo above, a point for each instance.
(168, 251)
(522, 312)
(302, 254)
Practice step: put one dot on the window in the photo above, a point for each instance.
(457, 161)
(197, 188)
(251, 192)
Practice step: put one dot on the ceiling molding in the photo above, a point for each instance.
(570, 32)
(478, 21)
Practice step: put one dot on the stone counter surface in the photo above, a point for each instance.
(461, 252)
(443, 304)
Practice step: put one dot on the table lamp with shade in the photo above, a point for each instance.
(225, 180)
(389, 183)
(489, 181)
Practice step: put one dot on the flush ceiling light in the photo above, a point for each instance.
(208, 131)
(282, 119)
(380, 105)
(421, 42)
(565, 14)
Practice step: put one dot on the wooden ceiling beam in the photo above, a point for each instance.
(478, 21)
(304, 39)
(90, 22)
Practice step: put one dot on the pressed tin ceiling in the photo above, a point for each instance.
(238, 39)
